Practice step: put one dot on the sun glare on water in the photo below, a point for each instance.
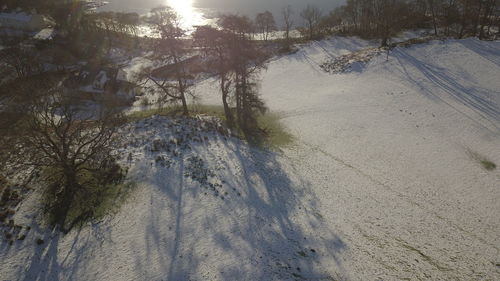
(190, 16)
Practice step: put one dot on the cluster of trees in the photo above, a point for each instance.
(69, 148)
(125, 23)
(315, 24)
(171, 49)
(236, 60)
(74, 150)
(43, 126)
(383, 18)
(228, 52)
(265, 24)
(98, 32)
(72, 146)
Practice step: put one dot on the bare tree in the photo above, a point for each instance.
(15, 96)
(171, 50)
(384, 18)
(489, 6)
(24, 61)
(127, 22)
(236, 60)
(311, 15)
(351, 13)
(387, 18)
(287, 14)
(238, 26)
(329, 23)
(465, 6)
(74, 144)
(433, 6)
(266, 23)
(246, 61)
(216, 45)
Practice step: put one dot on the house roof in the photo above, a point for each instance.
(45, 34)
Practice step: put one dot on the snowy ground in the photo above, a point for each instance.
(379, 184)
(385, 149)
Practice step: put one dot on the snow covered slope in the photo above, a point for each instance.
(387, 149)
(380, 183)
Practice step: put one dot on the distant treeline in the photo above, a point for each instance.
(368, 18)
(383, 18)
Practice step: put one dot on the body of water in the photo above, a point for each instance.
(196, 12)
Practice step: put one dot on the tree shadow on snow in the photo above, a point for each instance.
(472, 96)
(291, 239)
(53, 261)
(262, 224)
(488, 50)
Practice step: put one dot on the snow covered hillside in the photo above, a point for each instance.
(381, 182)
(387, 149)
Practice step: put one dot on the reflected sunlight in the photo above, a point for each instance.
(190, 16)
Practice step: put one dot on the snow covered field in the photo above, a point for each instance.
(379, 184)
(386, 150)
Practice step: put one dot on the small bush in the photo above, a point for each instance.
(102, 190)
(485, 163)
(276, 134)
(488, 165)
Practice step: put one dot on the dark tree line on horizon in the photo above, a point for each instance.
(384, 18)
(369, 18)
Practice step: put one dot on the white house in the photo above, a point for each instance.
(24, 21)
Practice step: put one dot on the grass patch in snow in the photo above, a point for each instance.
(488, 165)
(271, 133)
(105, 202)
(485, 163)
(111, 199)
(91, 204)
(275, 133)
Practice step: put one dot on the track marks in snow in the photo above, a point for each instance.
(397, 193)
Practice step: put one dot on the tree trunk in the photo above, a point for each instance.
(311, 32)
(227, 109)
(463, 20)
(434, 22)
(238, 98)
(65, 199)
(384, 42)
(185, 110)
(476, 19)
